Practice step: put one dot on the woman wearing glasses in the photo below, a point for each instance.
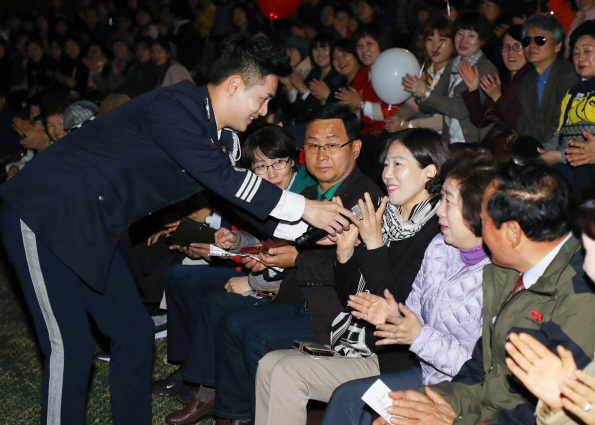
(502, 92)
(472, 31)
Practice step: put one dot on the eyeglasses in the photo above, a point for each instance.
(279, 164)
(330, 148)
(516, 47)
(538, 39)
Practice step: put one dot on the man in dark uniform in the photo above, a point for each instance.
(64, 213)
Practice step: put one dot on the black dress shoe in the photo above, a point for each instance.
(171, 385)
(192, 413)
(186, 395)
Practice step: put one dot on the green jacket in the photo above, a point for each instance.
(559, 309)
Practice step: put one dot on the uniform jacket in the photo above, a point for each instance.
(80, 194)
(439, 102)
(447, 297)
(542, 122)
(554, 310)
(314, 272)
(391, 267)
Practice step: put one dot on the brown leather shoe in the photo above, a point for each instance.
(224, 421)
(191, 414)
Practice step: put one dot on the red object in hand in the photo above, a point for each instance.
(537, 315)
(278, 9)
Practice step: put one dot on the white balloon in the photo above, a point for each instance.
(388, 70)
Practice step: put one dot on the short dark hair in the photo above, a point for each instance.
(337, 111)
(515, 31)
(346, 45)
(251, 57)
(473, 170)
(376, 31)
(474, 21)
(427, 147)
(586, 28)
(322, 39)
(273, 141)
(536, 196)
(57, 107)
(439, 24)
(546, 22)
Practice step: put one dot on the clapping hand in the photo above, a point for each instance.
(320, 90)
(349, 96)
(470, 75)
(399, 329)
(372, 308)
(492, 86)
(370, 226)
(540, 370)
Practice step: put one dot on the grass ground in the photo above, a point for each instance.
(20, 369)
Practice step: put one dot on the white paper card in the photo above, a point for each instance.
(377, 398)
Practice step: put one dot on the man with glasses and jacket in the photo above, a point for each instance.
(541, 91)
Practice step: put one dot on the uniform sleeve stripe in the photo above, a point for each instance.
(255, 189)
(245, 185)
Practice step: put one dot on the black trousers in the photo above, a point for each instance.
(61, 306)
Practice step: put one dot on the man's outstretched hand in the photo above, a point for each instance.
(328, 216)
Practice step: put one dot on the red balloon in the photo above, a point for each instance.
(278, 9)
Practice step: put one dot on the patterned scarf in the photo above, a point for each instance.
(348, 333)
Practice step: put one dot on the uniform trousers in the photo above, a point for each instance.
(61, 306)
(185, 290)
(287, 379)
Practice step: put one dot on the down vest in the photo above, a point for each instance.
(447, 298)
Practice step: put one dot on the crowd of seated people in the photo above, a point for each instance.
(461, 285)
